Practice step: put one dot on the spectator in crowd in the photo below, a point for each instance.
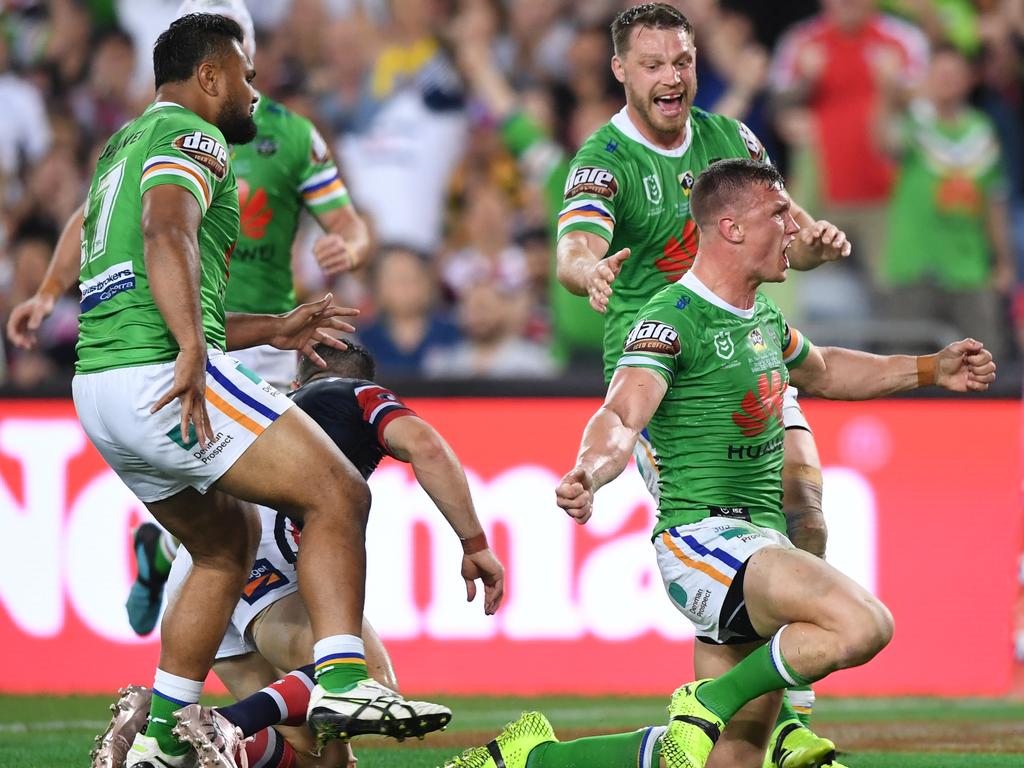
(829, 65)
(400, 154)
(53, 357)
(492, 347)
(105, 101)
(947, 255)
(407, 326)
(24, 127)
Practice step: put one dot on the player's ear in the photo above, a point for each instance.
(209, 75)
(618, 69)
(730, 229)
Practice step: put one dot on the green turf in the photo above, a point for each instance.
(44, 732)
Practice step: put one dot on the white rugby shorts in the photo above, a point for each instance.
(271, 578)
(792, 414)
(146, 449)
(698, 563)
(278, 367)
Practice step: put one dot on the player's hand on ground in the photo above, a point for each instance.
(26, 318)
(575, 495)
(965, 366)
(485, 566)
(333, 254)
(827, 240)
(310, 324)
(601, 277)
(190, 388)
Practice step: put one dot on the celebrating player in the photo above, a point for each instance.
(704, 370)
(160, 220)
(626, 230)
(270, 629)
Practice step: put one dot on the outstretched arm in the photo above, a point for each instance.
(437, 469)
(633, 396)
(846, 374)
(61, 274)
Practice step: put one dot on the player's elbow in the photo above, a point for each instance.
(423, 445)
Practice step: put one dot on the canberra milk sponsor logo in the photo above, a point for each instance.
(107, 284)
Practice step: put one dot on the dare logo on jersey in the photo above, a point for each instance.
(318, 151)
(206, 151)
(651, 336)
(591, 181)
(754, 145)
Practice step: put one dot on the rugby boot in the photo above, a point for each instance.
(372, 709)
(147, 591)
(795, 746)
(131, 710)
(692, 731)
(511, 748)
(146, 753)
(217, 741)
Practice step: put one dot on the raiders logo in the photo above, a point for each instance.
(591, 181)
(653, 337)
(206, 151)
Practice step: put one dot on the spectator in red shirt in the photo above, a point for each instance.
(828, 65)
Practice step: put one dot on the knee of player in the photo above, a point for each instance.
(869, 630)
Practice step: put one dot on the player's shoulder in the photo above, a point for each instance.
(603, 146)
(670, 304)
(328, 388)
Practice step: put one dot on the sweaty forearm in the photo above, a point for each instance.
(854, 375)
(606, 446)
(172, 265)
(575, 261)
(439, 474)
(245, 330)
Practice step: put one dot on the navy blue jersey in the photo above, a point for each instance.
(353, 413)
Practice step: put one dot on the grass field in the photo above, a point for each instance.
(51, 732)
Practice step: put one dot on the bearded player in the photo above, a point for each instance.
(626, 231)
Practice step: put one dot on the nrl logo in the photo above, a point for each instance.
(723, 345)
(652, 187)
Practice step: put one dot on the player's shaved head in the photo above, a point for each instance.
(190, 41)
(653, 15)
(356, 362)
(721, 186)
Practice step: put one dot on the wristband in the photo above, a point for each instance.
(925, 370)
(474, 544)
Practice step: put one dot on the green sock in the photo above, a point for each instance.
(787, 714)
(341, 677)
(614, 751)
(161, 720)
(800, 698)
(761, 672)
(164, 556)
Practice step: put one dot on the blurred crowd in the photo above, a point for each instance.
(453, 123)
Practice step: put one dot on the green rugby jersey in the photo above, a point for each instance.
(717, 435)
(285, 168)
(120, 324)
(629, 192)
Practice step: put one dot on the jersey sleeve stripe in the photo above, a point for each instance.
(335, 190)
(628, 361)
(586, 214)
(319, 179)
(797, 344)
(166, 166)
